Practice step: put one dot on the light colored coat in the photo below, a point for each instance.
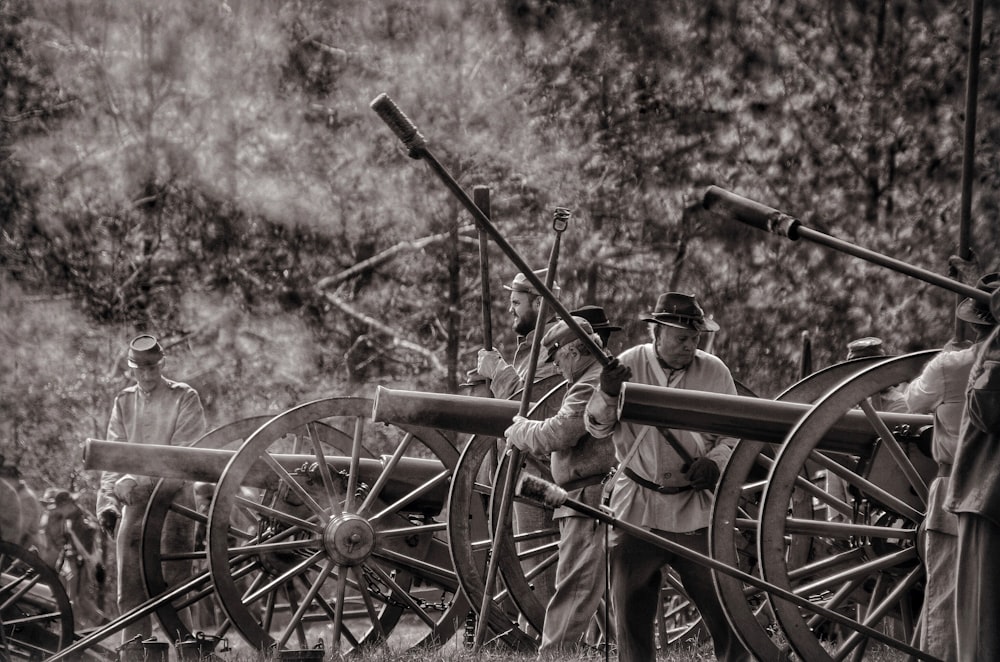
(654, 459)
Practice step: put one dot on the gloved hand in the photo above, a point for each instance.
(703, 474)
(108, 519)
(613, 376)
(515, 434)
(488, 363)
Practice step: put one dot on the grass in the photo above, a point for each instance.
(457, 652)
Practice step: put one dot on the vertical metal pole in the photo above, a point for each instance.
(969, 149)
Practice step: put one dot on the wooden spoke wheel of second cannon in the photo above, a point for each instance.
(173, 552)
(347, 549)
(870, 573)
(36, 616)
(736, 517)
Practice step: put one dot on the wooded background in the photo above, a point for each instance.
(211, 172)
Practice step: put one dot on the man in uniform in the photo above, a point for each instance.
(154, 410)
(974, 496)
(525, 304)
(506, 381)
(579, 464)
(656, 488)
(939, 389)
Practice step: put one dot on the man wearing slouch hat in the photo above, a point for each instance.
(154, 410)
(579, 465)
(667, 491)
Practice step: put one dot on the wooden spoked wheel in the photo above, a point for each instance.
(736, 518)
(345, 547)
(170, 560)
(36, 617)
(522, 558)
(865, 567)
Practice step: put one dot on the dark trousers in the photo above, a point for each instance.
(977, 602)
(636, 579)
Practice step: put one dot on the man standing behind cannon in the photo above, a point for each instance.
(974, 496)
(657, 487)
(525, 304)
(939, 389)
(579, 464)
(154, 410)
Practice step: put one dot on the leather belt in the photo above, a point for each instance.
(649, 485)
(579, 483)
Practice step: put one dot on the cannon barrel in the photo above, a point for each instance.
(758, 419)
(207, 465)
(777, 222)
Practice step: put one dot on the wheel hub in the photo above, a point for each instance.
(349, 539)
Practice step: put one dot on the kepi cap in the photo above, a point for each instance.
(560, 334)
(680, 311)
(143, 351)
(865, 347)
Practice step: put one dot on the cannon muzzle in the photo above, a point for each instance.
(738, 416)
(777, 222)
(207, 465)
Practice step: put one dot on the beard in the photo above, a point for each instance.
(525, 325)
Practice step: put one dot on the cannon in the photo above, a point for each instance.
(854, 443)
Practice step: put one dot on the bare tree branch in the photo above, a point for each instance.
(384, 256)
(397, 337)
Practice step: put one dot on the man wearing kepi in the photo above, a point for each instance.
(579, 464)
(656, 487)
(154, 410)
(974, 496)
(939, 389)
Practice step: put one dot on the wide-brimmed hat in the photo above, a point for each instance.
(144, 351)
(975, 312)
(560, 334)
(865, 347)
(597, 317)
(522, 284)
(680, 311)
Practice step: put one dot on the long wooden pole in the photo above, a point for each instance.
(969, 148)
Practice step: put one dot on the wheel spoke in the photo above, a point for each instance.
(352, 478)
(282, 516)
(387, 472)
(868, 487)
(403, 595)
(412, 496)
(366, 597)
(285, 576)
(324, 471)
(889, 442)
(293, 485)
(435, 574)
(863, 570)
(296, 621)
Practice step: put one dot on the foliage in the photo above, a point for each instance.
(212, 172)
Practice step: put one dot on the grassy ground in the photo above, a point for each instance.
(458, 653)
